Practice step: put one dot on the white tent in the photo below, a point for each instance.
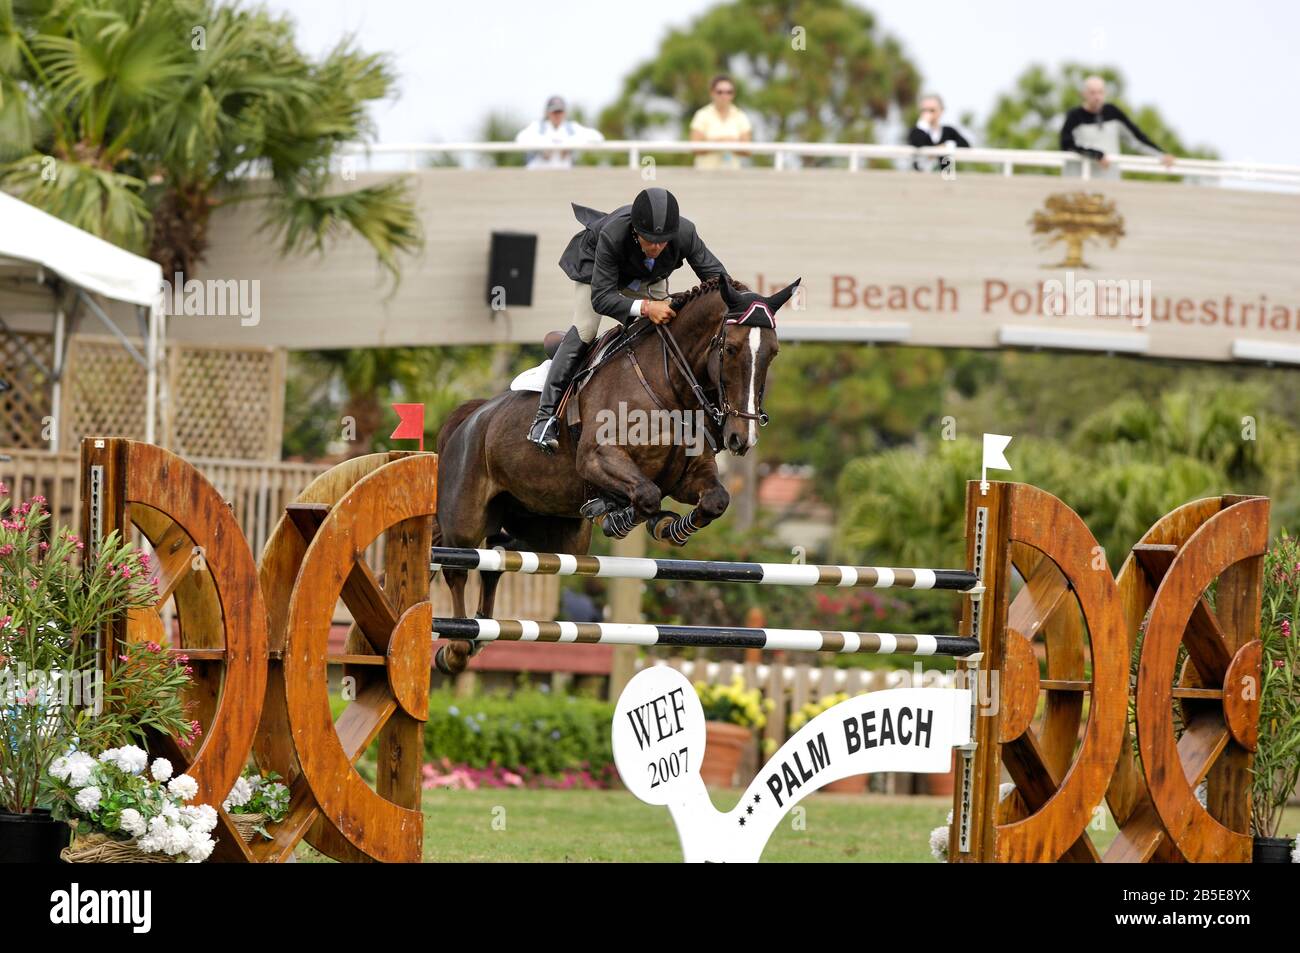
(47, 266)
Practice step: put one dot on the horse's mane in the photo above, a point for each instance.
(704, 287)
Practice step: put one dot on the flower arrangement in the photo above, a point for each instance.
(1276, 769)
(733, 703)
(811, 710)
(117, 807)
(53, 597)
(256, 800)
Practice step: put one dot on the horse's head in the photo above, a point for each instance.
(739, 357)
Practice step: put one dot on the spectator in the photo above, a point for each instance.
(930, 131)
(720, 121)
(1095, 128)
(554, 137)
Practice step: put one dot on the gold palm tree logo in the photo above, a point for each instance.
(1074, 218)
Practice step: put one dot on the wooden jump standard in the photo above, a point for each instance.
(703, 636)
(1052, 671)
(702, 570)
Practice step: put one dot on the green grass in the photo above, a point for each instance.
(613, 826)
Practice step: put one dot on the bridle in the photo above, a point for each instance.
(723, 409)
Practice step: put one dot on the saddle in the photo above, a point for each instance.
(568, 409)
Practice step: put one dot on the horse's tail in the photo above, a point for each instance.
(455, 419)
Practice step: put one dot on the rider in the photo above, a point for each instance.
(627, 253)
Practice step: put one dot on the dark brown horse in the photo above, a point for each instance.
(653, 417)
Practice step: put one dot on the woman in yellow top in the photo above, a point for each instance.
(720, 121)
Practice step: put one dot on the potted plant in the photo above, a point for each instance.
(53, 696)
(732, 713)
(854, 784)
(255, 801)
(1276, 769)
(123, 815)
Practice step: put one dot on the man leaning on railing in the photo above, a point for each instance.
(1095, 128)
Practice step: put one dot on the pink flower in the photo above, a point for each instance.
(1286, 628)
(153, 647)
(4, 490)
(6, 549)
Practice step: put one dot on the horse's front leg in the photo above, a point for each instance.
(610, 468)
(700, 486)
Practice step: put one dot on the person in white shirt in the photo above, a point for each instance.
(555, 137)
(720, 121)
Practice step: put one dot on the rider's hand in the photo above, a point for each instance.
(660, 312)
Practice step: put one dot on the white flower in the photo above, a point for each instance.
(201, 817)
(171, 814)
(107, 755)
(59, 768)
(183, 786)
(80, 765)
(1295, 854)
(131, 760)
(88, 799)
(132, 822)
(177, 840)
(150, 843)
(161, 769)
(200, 849)
(239, 794)
(939, 843)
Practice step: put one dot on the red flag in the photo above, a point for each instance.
(411, 423)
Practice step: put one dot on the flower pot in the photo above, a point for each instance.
(724, 745)
(854, 784)
(31, 838)
(98, 848)
(247, 825)
(1272, 850)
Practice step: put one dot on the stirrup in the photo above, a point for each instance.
(545, 433)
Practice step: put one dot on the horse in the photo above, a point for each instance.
(708, 365)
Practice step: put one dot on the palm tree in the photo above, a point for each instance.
(134, 120)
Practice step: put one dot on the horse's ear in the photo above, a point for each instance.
(729, 294)
(781, 297)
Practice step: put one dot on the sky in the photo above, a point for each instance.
(1218, 71)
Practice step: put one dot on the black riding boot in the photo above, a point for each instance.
(545, 430)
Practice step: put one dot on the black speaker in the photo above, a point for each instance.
(510, 268)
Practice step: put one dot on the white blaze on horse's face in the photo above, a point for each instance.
(751, 398)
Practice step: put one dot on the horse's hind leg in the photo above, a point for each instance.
(488, 581)
(469, 529)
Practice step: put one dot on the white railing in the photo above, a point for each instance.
(788, 156)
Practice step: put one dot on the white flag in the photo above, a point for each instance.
(994, 457)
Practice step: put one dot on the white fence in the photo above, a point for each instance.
(789, 156)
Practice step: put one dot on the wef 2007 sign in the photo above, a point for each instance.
(659, 741)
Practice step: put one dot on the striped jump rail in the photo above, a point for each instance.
(704, 636)
(701, 570)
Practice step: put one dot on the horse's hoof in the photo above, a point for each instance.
(595, 508)
(660, 527)
(452, 658)
(618, 524)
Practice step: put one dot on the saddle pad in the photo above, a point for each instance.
(532, 379)
(569, 403)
